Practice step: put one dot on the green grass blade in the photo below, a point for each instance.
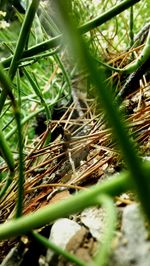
(6, 153)
(7, 88)
(111, 110)
(24, 33)
(110, 224)
(38, 92)
(48, 244)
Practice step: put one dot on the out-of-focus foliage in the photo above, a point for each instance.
(114, 33)
(110, 38)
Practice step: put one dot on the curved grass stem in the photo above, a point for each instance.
(6, 153)
(110, 223)
(48, 244)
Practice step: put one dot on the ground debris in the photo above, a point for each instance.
(81, 155)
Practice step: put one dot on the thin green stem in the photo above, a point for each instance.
(7, 88)
(20, 45)
(48, 244)
(35, 58)
(131, 27)
(65, 73)
(23, 37)
(110, 223)
(19, 100)
(38, 92)
(19, 206)
(37, 49)
(6, 185)
(114, 11)
(145, 54)
(6, 153)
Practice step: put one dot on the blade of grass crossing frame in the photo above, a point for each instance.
(113, 115)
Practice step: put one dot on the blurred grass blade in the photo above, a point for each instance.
(110, 223)
(113, 115)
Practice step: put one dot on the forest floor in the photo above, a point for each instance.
(81, 153)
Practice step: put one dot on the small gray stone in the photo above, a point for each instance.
(133, 247)
(94, 219)
(62, 231)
